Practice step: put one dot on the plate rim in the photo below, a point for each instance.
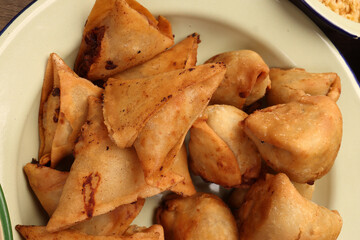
(340, 27)
(15, 24)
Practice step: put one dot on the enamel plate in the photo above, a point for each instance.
(333, 19)
(276, 29)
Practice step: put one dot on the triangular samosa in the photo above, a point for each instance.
(102, 176)
(274, 209)
(181, 55)
(63, 112)
(48, 183)
(118, 35)
(291, 84)
(155, 113)
(300, 138)
(244, 69)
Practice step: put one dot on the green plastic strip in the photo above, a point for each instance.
(5, 217)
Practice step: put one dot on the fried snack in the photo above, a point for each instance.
(48, 183)
(291, 84)
(63, 110)
(39, 233)
(201, 216)
(118, 35)
(300, 138)
(186, 187)
(180, 56)
(237, 196)
(244, 69)
(155, 113)
(275, 210)
(220, 151)
(102, 177)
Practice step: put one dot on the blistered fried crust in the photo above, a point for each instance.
(274, 209)
(118, 35)
(180, 56)
(155, 113)
(102, 176)
(201, 216)
(245, 68)
(220, 150)
(300, 138)
(291, 84)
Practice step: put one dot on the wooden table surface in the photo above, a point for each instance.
(348, 47)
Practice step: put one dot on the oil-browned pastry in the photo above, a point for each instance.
(299, 138)
(220, 150)
(118, 35)
(201, 216)
(274, 209)
(245, 69)
(291, 84)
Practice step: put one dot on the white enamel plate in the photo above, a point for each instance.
(276, 29)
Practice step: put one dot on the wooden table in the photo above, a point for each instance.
(348, 47)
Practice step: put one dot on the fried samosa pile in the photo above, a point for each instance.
(266, 133)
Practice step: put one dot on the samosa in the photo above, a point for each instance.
(291, 84)
(118, 35)
(63, 110)
(155, 113)
(274, 209)
(102, 177)
(48, 183)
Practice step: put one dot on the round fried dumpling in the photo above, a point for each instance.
(299, 138)
(291, 84)
(244, 69)
(201, 216)
(274, 209)
(220, 151)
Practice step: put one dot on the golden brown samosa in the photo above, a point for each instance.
(299, 138)
(155, 113)
(118, 35)
(48, 183)
(102, 177)
(63, 110)
(274, 209)
(154, 232)
(220, 150)
(291, 84)
(181, 55)
(244, 70)
(201, 216)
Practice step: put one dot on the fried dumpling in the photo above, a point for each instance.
(274, 209)
(63, 110)
(291, 84)
(118, 35)
(155, 113)
(48, 183)
(299, 138)
(102, 177)
(154, 232)
(201, 216)
(220, 150)
(181, 55)
(244, 69)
